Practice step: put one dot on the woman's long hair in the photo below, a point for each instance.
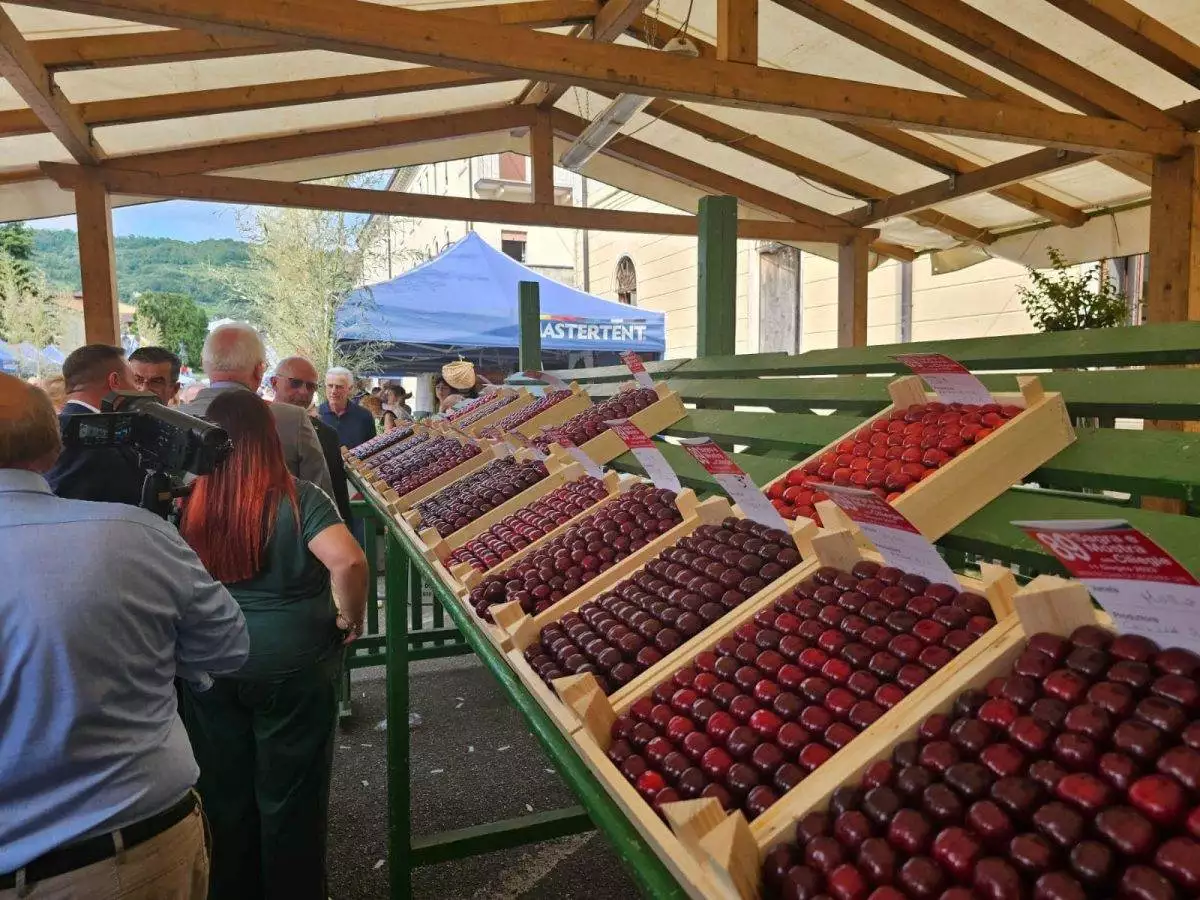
(230, 515)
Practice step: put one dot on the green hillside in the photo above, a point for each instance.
(149, 264)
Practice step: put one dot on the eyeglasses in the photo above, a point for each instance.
(298, 383)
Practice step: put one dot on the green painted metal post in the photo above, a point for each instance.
(372, 531)
(716, 307)
(416, 599)
(530, 309)
(397, 568)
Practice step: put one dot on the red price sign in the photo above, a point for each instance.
(946, 377)
(635, 365)
(647, 454)
(736, 483)
(551, 381)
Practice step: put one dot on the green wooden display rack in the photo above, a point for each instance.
(405, 640)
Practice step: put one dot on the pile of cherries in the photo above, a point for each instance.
(481, 406)
(591, 546)
(890, 454)
(1075, 776)
(380, 442)
(581, 428)
(535, 521)
(750, 719)
(460, 504)
(525, 413)
(673, 598)
(425, 462)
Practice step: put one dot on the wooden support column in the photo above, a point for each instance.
(853, 266)
(541, 154)
(737, 31)
(716, 307)
(529, 315)
(97, 263)
(1174, 294)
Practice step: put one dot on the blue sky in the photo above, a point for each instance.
(184, 220)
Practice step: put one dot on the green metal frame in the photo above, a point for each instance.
(406, 573)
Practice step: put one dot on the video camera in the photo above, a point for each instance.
(169, 444)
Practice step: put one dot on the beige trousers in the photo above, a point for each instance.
(170, 866)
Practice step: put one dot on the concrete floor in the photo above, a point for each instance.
(473, 761)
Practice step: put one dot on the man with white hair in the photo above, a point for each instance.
(353, 423)
(235, 359)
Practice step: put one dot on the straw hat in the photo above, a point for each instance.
(460, 375)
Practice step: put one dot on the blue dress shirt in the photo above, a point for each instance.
(354, 426)
(101, 606)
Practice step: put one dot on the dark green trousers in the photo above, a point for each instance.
(265, 750)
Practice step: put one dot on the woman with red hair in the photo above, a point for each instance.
(264, 740)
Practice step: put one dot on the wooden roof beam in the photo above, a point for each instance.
(368, 29)
(33, 83)
(737, 31)
(183, 45)
(254, 191)
(1125, 24)
(990, 40)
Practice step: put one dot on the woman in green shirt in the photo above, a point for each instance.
(264, 739)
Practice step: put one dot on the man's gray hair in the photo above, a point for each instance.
(234, 347)
(341, 373)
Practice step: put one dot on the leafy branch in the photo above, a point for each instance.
(1064, 298)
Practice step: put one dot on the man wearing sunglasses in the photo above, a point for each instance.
(295, 383)
(156, 369)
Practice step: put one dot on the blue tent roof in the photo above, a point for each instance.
(8, 359)
(466, 299)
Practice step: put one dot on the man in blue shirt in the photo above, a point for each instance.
(353, 424)
(101, 606)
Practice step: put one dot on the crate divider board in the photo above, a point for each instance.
(558, 413)
(594, 712)
(967, 483)
(658, 416)
(432, 540)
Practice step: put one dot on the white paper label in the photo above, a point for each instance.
(1138, 583)
(647, 454)
(501, 449)
(518, 441)
(635, 365)
(896, 538)
(551, 381)
(736, 483)
(948, 378)
(589, 464)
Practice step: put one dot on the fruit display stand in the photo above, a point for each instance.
(658, 416)
(968, 482)
(715, 854)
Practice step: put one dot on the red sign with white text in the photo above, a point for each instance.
(946, 377)
(635, 365)
(647, 454)
(737, 484)
(551, 381)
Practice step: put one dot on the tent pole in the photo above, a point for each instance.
(530, 308)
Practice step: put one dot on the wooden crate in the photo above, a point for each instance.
(727, 846)
(524, 398)
(430, 537)
(970, 481)
(366, 465)
(558, 413)
(402, 504)
(656, 417)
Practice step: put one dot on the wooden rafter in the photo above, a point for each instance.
(182, 45)
(226, 189)
(737, 31)
(541, 155)
(157, 107)
(433, 38)
(35, 86)
(1139, 32)
(990, 40)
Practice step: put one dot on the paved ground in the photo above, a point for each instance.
(473, 761)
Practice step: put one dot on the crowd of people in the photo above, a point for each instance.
(169, 693)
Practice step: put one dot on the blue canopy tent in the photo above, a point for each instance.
(8, 360)
(53, 355)
(464, 303)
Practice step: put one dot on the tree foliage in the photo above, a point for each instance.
(304, 265)
(1064, 298)
(28, 311)
(173, 321)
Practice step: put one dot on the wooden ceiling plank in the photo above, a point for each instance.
(1135, 30)
(432, 38)
(184, 45)
(34, 85)
(990, 40)
(226, 189)
(737, 31)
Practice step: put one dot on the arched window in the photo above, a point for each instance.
(626, 279)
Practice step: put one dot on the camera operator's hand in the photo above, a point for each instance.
(351, 630)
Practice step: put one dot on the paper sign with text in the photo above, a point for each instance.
(589, 464)
(736, 483)
(647, 454)
(551, 381)
(501, 448)
(518, 441)
(1138, 583)
(948, 378)
(638, 368)
(896, 538)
